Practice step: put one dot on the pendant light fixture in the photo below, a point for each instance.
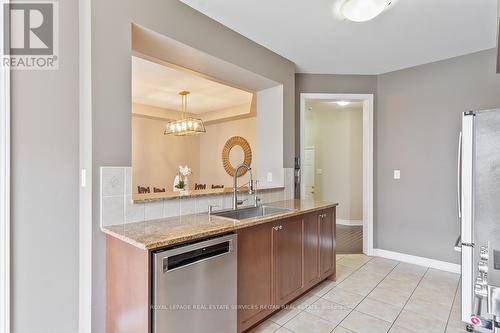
(186, 125)
(363, 10)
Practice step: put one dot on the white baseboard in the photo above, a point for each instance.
(349, 222)
(421, 261)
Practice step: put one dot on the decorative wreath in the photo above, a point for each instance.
(247, 151)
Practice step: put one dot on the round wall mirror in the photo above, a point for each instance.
(236, 151)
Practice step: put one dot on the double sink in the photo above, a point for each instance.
(251, 212)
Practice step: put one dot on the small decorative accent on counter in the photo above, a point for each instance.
(143, 190)
(181, 182)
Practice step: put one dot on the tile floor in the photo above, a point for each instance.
(375, 295)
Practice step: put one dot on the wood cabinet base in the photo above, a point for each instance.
(279, 262)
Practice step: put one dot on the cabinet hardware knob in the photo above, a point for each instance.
(281, 227)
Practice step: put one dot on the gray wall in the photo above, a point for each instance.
(111, 50)
(417, 119)
(45, 189)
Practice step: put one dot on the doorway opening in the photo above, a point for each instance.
(337, 163)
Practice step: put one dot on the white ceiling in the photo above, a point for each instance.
(157, 85)
(408, 33)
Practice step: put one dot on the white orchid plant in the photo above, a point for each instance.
(184, 171)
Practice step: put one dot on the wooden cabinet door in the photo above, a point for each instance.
(287, 244)
(327, 242)
(311, 249)
(255, 280)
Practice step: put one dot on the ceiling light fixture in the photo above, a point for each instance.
(186, 125)
(363, 10)
(343, 103)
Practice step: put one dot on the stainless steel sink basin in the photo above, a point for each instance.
(251, 212)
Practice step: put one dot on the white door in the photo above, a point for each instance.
(308, 173)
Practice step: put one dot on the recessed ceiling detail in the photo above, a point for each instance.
(158, 85)
(407, 34)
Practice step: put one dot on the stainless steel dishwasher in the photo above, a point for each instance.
(194, 288)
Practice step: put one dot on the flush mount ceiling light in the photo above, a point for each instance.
(186, 125)
(363, 10)
(343, 103)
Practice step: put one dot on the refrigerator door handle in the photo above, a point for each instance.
(458, 244)
(459, 177)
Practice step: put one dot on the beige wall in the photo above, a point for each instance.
(337, 136)
(156, 157)
(212, 143)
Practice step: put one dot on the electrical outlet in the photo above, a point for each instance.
(397, 174)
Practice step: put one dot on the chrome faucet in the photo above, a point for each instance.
(236, 202)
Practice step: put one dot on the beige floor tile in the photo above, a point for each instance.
(283, 330)
(308, 323)
(455, 329)
(266, 327)
(455, 324)
(323, 288)
(425, 293)
(388, 296)
(285, 315)
(442, 275)
(405, 276)
(379, 310)
(343, 297)
(363, 275)
(384, 262)
(373, 268)
(401, 287)
(398, 329)
(361, 323)
(439, 288)
(354, 261)
(330, 311)
(343, 272)
(358, 286)
(340, 329)
(405, 267)
(429, 308)
(305, 300)
(420, 324)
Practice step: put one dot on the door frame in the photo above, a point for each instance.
(5, 222)
(302, 188)
(368, 107)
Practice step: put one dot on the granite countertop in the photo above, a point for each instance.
(153, 234)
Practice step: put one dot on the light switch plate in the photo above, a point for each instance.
(83, 180)
(319, 171)
(269, 176)
(397, 174)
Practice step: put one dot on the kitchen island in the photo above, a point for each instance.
(280, 257)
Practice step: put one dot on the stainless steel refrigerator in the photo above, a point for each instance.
(479, 213)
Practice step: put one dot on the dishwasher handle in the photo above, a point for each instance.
(196, 255)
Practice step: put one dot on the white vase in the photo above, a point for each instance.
(186, 183)
(177, 180)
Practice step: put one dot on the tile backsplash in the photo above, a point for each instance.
(117, 206)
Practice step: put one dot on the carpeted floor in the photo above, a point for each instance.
(349, 239)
